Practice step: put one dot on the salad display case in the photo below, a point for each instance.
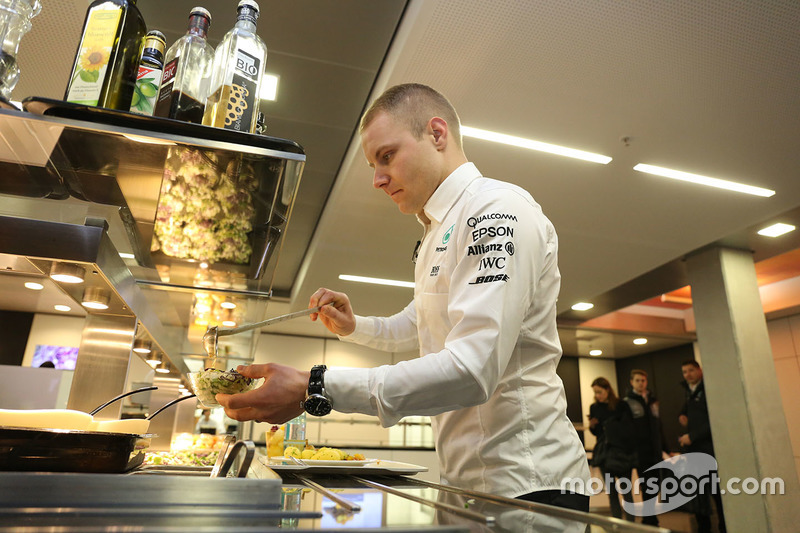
(161, 221)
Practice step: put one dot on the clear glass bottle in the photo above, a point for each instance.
(295, 433)
(238, 68)
(148, 80)
(15, 21)
(187, 72)
(107, 61)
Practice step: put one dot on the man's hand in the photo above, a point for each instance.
(684, 420)
(593, 422)
(275, 402)
(339, 317)
(684, 440)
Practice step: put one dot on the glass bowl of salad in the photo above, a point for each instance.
(206, 384)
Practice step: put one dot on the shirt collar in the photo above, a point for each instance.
(449, 191)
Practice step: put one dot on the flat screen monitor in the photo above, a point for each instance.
(63, 357)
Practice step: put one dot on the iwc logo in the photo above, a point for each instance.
(448, 234)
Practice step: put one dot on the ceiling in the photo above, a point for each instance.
(705, 87)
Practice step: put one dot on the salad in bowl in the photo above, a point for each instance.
(206, 384)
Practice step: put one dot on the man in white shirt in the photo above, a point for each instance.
(483, 318)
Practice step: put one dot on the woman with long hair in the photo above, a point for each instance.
(611, 421)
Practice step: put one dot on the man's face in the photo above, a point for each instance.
(639, 383)
(406, 168)
(692, 374)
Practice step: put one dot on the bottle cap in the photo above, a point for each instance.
(202, 12)
(154, 35)
(252, 4)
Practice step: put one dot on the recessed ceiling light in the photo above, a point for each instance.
(126, 255)
(703, 180)
(95, 298)
(595, 352)
(776, 230)
(582, 306)
(162, 370)
(640, 341)
(229, 323)
(67, 273)
(32, 285)
(228, 305)
(62, 308)
(377, 281)
(203, 265)
(539, 146)
(269, 87)
(141, 346)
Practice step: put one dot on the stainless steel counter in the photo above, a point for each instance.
(111, 502)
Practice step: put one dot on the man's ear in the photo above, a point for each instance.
(437, 128)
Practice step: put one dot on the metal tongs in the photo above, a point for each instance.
(213, 333)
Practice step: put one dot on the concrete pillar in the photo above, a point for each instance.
(751, 437)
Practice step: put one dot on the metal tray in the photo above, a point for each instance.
(62, 450)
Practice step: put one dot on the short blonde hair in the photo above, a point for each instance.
(414, 104)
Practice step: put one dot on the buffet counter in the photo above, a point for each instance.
(350, 498)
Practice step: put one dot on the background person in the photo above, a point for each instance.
(610, 420)
(694, 417)
(648, 436)
(483, 318)
(206, 424)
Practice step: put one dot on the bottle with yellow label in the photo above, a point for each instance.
(239, 60)
(107, 61)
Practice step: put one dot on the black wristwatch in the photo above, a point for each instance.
(316, 403)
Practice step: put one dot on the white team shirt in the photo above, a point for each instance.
(484, 320)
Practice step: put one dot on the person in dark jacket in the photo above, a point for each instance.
(610, 420)
(649, 436)
(694, 417)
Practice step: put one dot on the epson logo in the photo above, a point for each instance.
(481, 249)
(502, 231)
(474, 221)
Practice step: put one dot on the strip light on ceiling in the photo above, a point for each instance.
(377, 281)
(539, 146)
(703, 180)
(775, 230)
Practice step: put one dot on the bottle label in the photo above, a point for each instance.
(148, 80)
(240, 98)
(94, 53)
(164, 102)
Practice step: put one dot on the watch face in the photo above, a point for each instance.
(318, 405)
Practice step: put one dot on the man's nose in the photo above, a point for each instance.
(379, 179)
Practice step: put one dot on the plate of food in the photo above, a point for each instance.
(335, 461)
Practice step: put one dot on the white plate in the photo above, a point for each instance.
(370, 466)
(311, 462)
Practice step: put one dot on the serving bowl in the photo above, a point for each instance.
(206, 384)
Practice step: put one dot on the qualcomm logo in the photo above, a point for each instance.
(692, 474)
(448, 234)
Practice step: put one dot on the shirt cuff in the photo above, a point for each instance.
(348, 389)
(364, 332)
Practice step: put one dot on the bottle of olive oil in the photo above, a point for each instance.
(236, 80)
(187, 72)
(148, 80)
(107, 61)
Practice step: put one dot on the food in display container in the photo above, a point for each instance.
(205, 210)
(322, 454)
(209, 382)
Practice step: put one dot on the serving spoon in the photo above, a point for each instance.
(212, 334)
(121, 396)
